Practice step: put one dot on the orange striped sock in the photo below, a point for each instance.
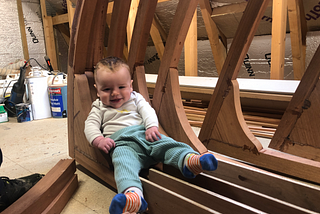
(133, 202)
(192, 162)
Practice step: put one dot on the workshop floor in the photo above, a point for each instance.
(36, 147)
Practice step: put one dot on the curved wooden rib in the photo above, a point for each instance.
(239, 47)
(231, 127)
(166, 98)
(139, 44)
(298, 131)
(78, 53)
(117, 35)
(224, 129)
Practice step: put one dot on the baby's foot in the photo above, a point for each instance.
(130, 202)
(195, 164)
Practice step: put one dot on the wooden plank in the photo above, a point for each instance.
(131, 20)
(159, 26)
(96, 168)
(161, 200)
(22, 31)
(298, 103)
(218, 50)
(71, 11)
(191, 48)
(303, 139)
(63, 198)
(49, 36)
(239, 193)
(239, 47)
(117, 35)
(45, 191)
(139, 45)
(174, 45)
(279, 23)
(156, 38)
(198, 194)
(60, 19)
(271, 184)
(297, 44)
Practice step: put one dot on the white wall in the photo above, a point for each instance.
(260, 46)
(10, 37)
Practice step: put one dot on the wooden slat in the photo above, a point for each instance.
(296, 35)
(295, 108)
(49, 35)
(251, 197)
(63, 198)
(131, 20)
(60, 19)
(71, 11)
(167, 86)
(139, 45)
(239, 47)
(218, 50)
(117, 35)
(279, 23)
(161, 200)
(191, 48)
(39, 197)
(156, 38)
(200, 195)
(22, 31)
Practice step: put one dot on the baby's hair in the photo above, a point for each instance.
(111, 63)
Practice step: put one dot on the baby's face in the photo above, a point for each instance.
(114, 88)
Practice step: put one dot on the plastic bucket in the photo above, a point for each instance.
(38, 96)
(58, 100)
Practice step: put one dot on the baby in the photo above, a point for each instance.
(122, 123)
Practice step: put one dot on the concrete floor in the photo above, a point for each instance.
(35, 147)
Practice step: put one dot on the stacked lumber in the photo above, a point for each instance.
(51, 193)
(260, 124)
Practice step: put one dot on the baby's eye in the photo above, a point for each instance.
(106, 89)
(121, 87)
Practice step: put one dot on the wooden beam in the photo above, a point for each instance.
(161, 200)
(51, 187)
(238, 49)
(156, 38)
(159, 26)
(49, 36)
(60, 19)
(199, 194)
(218, 49)
(71, 11)
(131, 20)
(117, 35)
(296, 34)
(279, 23)
(23, 31)
(230, 9)
(299, 104)
(191, 48)
(255, 187)
(139, 45)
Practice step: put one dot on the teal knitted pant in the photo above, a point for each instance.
(133, 152)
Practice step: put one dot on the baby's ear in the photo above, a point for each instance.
(96, 89)
(131, 85)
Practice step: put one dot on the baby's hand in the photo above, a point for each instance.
(104, 144)
(152, 134)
